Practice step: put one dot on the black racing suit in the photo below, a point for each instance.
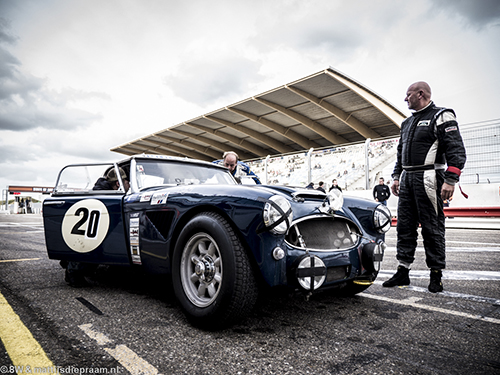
(429, 139)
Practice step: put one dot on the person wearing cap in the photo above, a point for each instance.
(238, 169)
(110, 182)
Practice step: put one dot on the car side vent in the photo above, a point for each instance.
(161, 220)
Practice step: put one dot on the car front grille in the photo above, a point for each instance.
(323, 233)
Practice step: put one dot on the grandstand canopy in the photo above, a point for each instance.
(322, 110)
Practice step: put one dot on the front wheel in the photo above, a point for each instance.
(212, 276)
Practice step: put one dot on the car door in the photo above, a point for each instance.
(85, 225)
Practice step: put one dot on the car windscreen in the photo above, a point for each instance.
(156, 173)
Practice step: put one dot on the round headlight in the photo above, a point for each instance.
(382, 218)
(277, 214)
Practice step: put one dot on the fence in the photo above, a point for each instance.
(482, 142)
(347, 163)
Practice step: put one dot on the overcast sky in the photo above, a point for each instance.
(80, 77)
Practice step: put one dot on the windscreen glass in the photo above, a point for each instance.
(156, 173)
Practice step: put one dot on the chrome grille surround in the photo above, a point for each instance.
(323, 233)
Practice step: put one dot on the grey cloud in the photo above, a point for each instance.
(336, 28)
(20, 118)
(328, 38)
(96, 148)
(7, 64)
(14, 152)
(5, 35)
(206, 82)
(478, 13)
(25, 104)
(11, 173)
(69, 94)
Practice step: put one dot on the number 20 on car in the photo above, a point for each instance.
(85, 225)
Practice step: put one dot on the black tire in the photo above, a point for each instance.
(211, 274)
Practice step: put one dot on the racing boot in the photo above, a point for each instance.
(401, 277)
(436, 286)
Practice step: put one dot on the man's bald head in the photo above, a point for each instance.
(418, 95)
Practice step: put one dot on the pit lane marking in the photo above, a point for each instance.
(410, 302)
(486, 249)
(452, 275)
(21, 346)
(101, 338)
(18, 260)
(125, 356)
(470, 297)
(471, 243)
(35, 227)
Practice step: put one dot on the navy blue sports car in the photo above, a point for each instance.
(220, 241)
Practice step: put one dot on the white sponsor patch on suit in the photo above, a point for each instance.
(424, 123)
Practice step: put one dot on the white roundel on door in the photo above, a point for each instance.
(85, 225)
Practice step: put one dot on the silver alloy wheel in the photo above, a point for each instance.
(201, 270)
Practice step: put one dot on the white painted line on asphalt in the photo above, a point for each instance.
(494, 249)
(101, 338)
(131, 361)
(125, 356)
(35, 227)
(451, 275)
(470, 297)
(471, 243)
(29, 225)
(409, 302)
(18, 260)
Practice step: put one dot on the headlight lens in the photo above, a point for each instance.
(278, 214)
(382, 218)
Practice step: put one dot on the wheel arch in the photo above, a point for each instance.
(188, 216)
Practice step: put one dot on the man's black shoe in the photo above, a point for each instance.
(436, 286)
(401, 277)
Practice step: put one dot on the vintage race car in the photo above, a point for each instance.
(220, 241)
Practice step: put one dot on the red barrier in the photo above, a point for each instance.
(466, 212)
(472, 211)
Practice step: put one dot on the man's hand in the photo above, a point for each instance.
(447, 191)
(395, 188)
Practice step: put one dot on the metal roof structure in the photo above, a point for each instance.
(322, 110)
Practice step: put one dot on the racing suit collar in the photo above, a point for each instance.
(431, 103)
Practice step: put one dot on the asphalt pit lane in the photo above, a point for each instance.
(89, 305)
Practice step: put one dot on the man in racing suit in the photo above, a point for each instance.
(429, 139)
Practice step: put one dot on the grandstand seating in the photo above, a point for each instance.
(346, 164)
